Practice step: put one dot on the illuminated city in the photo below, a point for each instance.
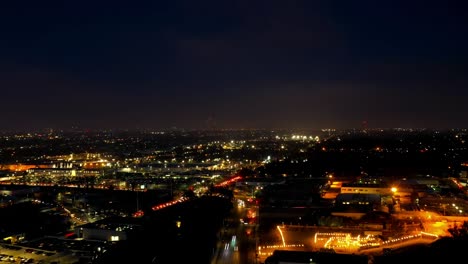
(280, 191)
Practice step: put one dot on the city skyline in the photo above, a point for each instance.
(233, 65)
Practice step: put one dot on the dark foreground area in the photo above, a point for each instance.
(446, 250)
(185, 233)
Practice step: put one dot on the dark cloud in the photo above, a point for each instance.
(307, 64)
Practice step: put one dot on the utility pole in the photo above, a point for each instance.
(137, 202)
(256, 233)
(172, 192)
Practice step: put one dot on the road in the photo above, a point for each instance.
(236, 243)
(226, 254)
(227, 250)
(235, 246)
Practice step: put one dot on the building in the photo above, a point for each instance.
(109, 229)
(59, 173)
(366, 188)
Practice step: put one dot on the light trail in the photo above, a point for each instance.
(281, 233)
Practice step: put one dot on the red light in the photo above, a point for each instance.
(69, 234)
(139, 213)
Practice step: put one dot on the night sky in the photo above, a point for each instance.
(233, 64)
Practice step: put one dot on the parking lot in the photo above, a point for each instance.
(17, 254)
(51, 250)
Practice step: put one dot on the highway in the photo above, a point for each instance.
(227, 253)
(236, 244)
(227, 250)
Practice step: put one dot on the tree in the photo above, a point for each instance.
(460, 232)
(246, 172)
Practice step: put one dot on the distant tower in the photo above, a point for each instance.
(210, 123)
(364, 126)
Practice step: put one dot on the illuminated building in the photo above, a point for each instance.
(62, 172)
(109, 229)
(365, 188)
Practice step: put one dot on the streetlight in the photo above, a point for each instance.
(142, 187)
(443, 207)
